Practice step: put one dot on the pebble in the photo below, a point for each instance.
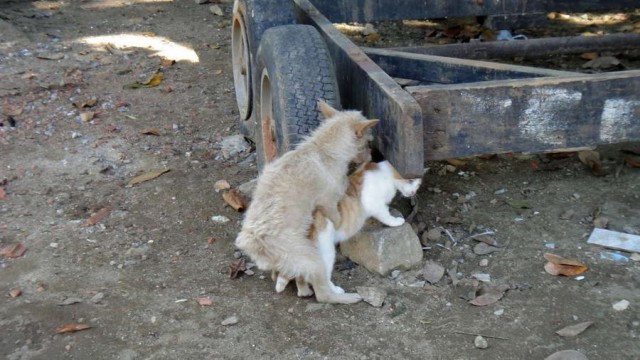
(231, 320)
(369, 29)
(482, 277)
(480, 342)
(432, 235)
(621, 305)
(635, 257)
(498, 312)
(484, 262)
(395, 274)
(54, 245)
(220, 219)
(216, 10)
(97, 298)
(567, 355)
(200, 2)
(500, 191)
(483, 249)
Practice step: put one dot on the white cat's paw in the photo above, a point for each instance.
(281, 284)
(393, 222)
(305, 291)
(337, 289)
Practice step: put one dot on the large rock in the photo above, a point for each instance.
(381, 249)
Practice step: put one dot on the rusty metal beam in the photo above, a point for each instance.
(533, 115)
(365, 86)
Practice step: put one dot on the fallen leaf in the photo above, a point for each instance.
(167, 62)
(222, 185)
(40, 287)
(592, 160)
(13, 251)
(216, 10)
(87, 103)
(235, 199)
(155, 132)
(87, 116)
(204, 301)
(148, 33)
(566, 270)
(146, 177)
(10, 109)
(487, 296)
(211, 240)
(589, 55)
(574, 330)
(70, 301)
(95, 218)
(15, 293)
(69, 328)
(432, 272)
(487, 240)
(372, 37)
(519, 204)
(237, 267)
(154, 80)
(631, 162)
(3, 193)
(50, 56)
(218, 72)
(603, 63)
(457, 162)
(557, 259)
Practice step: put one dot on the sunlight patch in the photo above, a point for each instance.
(160, 46)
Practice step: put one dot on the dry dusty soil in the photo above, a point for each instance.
(133, 272)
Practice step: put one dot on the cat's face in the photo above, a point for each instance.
(408, 188)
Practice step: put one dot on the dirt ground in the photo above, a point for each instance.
(134, 276)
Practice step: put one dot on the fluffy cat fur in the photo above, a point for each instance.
(371, 188)
(313, 175)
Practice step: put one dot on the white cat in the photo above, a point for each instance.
(371, 188)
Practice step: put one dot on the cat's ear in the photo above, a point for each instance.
(326, 109)
(362, 126)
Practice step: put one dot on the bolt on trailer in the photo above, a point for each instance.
(287, 54)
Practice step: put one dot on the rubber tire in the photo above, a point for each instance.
(257, 16)
(300, 72)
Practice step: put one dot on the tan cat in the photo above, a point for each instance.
(313, 175)
(371, 188)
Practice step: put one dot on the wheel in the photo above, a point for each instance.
(294, 70)
(250, 19)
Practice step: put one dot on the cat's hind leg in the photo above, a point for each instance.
(327, 248)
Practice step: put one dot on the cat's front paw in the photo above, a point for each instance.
(281, 284)
(394, 222)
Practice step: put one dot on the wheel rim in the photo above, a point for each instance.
(241, 65)
(268, 132)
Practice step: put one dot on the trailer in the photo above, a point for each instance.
(287, 54)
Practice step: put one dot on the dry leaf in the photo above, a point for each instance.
(372, 37)
(154, 80)
(566, 270)
(211, 240)
(13, 251)
(557, 259)
(87, 116)
(146, 177)
(68, 328)
(487, 296)
(148, 33)
(592, 160)
(235, 199)
(237, 267)
(631, 162)
(3, 193)
(218, 72)
(155, 132)
(487, 240)
(589, 55)
(95, 218)
(15, 293)
(574, 330)
(457, 162)
(204, 301)
(222, 185)
(167, 62)
(87, 103)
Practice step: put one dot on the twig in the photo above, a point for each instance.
(453, 240)
(488, 232)
(414, 211)
(442, 246)
(475, 334)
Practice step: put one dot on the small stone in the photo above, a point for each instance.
(498, 312)
(369, 29)
(482, 277)
(567, 355)
(568, 214)
(222, 185)
(395, 274)
(372, 295)
(432, 235)
(54, 245)
(220, 219)
(621, 305)
(313, 307)
(216, 10)
(200, 2)
(231, 320)
(500, 191)
(15, 293)
(484, 262)
(635, 257)
(480, 342)
(249, 187)
(484, 249)
(432, 272)
(97, 298)
(450, 168)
